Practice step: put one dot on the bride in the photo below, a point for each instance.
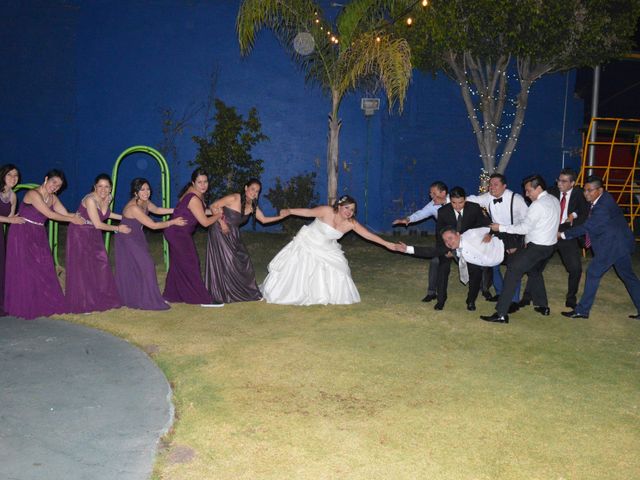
(312, 269)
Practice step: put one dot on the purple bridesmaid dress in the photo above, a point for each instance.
(5, 210)
(184, 282)
(229, 273)
(135, 271)
(90, 284)
(31, 287)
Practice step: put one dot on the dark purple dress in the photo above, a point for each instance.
(229, 273)
(90, 284)
(31, 284)
(5, 210)
(135, 271)
(184, 282)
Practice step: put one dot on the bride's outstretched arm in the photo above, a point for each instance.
(321, 211)
(366, 234)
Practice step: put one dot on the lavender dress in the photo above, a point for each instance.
(5, 210)
(184, 282)
(135, 271)
(229, 274)
(90, 283)
(31, 288)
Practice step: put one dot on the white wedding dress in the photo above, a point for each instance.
(311, 270)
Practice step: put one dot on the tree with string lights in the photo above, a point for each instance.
(490, 46)
(339, 57)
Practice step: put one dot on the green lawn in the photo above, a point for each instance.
(390, 388)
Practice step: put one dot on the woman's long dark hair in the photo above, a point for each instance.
(243, 197)
(3, 173)
(196, 173)
(136, 185)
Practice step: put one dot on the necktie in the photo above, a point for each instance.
(587, 239)
(563, 204)
(462, 268)
(459, 222)
(497, 200)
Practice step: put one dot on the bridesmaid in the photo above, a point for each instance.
(9, 178)
(184, 282)
(229, 275)
(135, 271)
(32, 288)
(90, 283)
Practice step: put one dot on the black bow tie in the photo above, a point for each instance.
(497, 200)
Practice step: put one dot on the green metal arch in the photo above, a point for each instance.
(165, 187)
(53, 225)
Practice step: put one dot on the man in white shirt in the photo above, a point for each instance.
(540, 228)
(506, 208)
(574, 210)
(439, 194)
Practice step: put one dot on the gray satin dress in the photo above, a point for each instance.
(229, 274)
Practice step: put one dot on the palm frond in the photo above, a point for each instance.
(380, 55)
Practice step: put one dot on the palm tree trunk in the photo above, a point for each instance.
(332, 148)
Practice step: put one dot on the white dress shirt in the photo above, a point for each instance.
(501, 212)
(540, 226)
(429, 210)
(474, 250)
(565, 214)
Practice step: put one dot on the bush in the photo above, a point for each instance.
(298, 192)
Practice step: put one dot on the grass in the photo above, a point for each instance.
(390, 388)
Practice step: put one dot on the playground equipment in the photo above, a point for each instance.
(613, 156)
(165, 187)
(53, 225)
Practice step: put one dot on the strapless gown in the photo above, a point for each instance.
(184, 281)
(229, 274)
(135, 270)
(32, 288)
(311, 270)
(90, 286)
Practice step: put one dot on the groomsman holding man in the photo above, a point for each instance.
(612, 242)
(540, 228)
(574, 210)
(439, 194)
(505, 208)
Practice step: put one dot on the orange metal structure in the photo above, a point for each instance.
(616, 148)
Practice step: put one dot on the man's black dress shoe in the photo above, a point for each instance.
(570, 304)
(487, 295)
(471, 307)
(495, 318)
(492, 299)
(525, 302)
(430, 297)
(574, 314)
(543, 310)
(514, 307)
(635, 317)
(438, 306)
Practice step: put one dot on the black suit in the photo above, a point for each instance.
(570, 250)
(473, 216)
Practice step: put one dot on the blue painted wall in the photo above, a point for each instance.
(84, 80)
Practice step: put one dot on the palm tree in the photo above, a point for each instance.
(352, 53)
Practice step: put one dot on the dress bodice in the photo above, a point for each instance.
(234, 218)
(132, 223)
(325, 230)
(182, 210)
(82, 211)
(30, 213)
(5, 208)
